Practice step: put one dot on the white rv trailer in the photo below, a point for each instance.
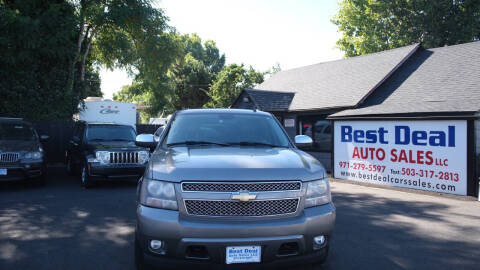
(97, 109)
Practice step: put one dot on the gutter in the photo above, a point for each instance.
(414, 116)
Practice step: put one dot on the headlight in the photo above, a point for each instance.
(33, 155)
(143, 157)
(103, 157)
(318, 193)
(158, 194)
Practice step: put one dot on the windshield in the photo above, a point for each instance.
(226, 129)
(16, 131)
(110, 133)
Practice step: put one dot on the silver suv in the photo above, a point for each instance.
(226, 187)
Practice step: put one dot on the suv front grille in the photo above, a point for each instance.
(236, 208)
(123, 157)
(9, 157)
(236, 187)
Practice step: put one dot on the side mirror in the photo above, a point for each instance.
(303, 141)
(76, 139)
(44, 138)
(146, 140)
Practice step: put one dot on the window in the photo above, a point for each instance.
(17, 132)
(110, 133)
(228, 128)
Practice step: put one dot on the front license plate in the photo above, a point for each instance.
(3, 171)
(244, 254)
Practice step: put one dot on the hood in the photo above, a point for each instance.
(233, 164)
(113, 146)
(19, 146)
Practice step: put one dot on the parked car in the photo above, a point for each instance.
(229, 187)
(102, 151)
(21, 153)
(321, 132)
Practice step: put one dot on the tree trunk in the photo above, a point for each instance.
(71, 71)
(85, 54)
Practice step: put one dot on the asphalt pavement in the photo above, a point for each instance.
(62, 226)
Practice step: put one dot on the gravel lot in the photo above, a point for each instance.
(62, 226)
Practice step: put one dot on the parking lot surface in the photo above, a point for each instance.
(62, 226)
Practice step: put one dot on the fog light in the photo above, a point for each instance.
(318, 242)
(156, 244)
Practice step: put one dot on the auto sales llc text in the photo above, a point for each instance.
(402, 136)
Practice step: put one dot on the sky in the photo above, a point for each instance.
(260, 33)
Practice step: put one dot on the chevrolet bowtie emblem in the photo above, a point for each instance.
(244, 196)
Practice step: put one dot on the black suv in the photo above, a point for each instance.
(21, 153)
(105, 151)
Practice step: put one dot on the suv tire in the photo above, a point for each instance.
(139, 262)
(41, 181)
(70, 167)
(86, 180)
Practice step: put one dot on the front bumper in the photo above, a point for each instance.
(115, 171)
(22, 171)
(180, 233)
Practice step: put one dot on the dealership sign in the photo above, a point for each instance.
(426, 155)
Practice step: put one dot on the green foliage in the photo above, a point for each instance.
(230, 82)
(132, 35)
(374, 25)
(36, 43)
(186, 83)
(274, 69)
(193, 72)
(150, 95)
(51, 51)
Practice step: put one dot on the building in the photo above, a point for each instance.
(424, 88)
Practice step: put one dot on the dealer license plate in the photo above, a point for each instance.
(3, 171)
(244, 254)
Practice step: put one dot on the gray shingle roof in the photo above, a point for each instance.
(270, 100)
(341, 83)
(436, 80)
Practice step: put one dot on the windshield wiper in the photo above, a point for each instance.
(254, 144)
(197, 143)
(121, 140)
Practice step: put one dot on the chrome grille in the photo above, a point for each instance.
(236, 187)
(9, 157)
(235, 208)
(123, 157)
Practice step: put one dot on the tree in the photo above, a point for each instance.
(186, 83)
(375, 25)
(52, 49)
(193, 72)
(128, 34)
(275, 69)
(152, 95)
(230, 82)
(36, 40)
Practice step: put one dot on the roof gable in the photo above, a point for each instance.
(341, 83)
(439, 80)
(270, 100)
